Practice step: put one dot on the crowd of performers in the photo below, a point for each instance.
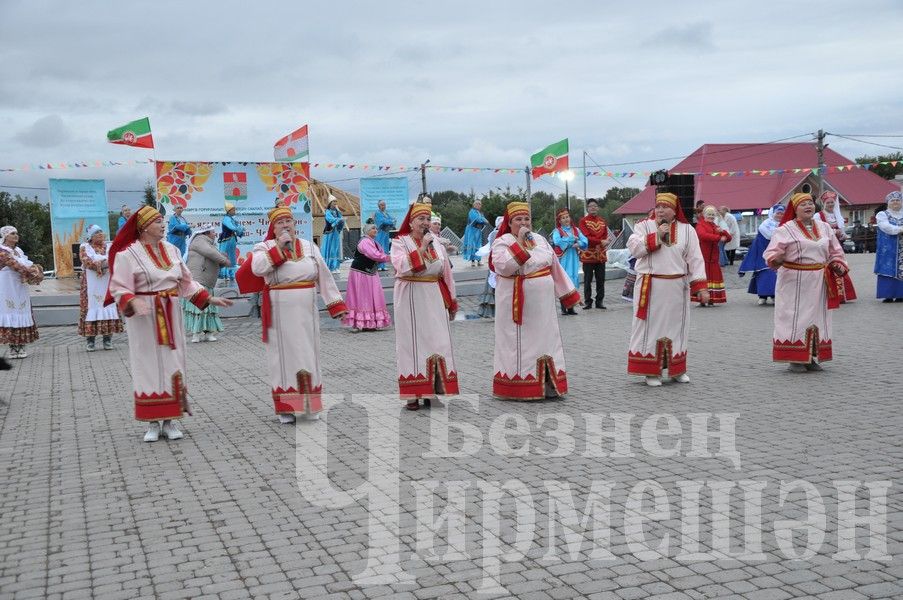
(151, 283)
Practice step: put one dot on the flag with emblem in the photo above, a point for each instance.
(550, 159)
(235, 185)
(292, 147)
(137, 133)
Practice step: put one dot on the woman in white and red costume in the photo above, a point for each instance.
(147, 277)
(424, 303)
(288, 271)
(811, 266)
(529, 359)
(669, 268)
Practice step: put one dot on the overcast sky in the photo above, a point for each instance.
(462, 83)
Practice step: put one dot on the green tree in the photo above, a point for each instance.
(150, 194)
(32, 219)
(613, 199)
(885, 171)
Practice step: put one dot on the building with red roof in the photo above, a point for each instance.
(753, 177)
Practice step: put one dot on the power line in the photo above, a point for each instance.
(877, 135)
(852, 139)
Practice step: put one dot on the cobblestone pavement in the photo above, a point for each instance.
(88, 510)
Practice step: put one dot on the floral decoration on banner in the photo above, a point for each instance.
(290, 181)
(176, 181)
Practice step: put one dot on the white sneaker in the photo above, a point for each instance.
(286, 419)
(762, 301)
(171, 430)
(654, 381)
(195, 338)
(210, 338)
(682, 378)
(153, 432)
(312, 417)
(21, 354)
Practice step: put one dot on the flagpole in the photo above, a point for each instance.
(156, 198)
(529, 194)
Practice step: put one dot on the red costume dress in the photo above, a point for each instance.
(709, 236)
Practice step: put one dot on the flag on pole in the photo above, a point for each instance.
(137, 133)
(292, 147)
(550, 159)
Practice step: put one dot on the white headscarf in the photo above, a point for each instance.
(16, 252)
(771, 223)
(194, 234)
(838, 218)
(92, 231)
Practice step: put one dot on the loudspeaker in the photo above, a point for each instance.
(681, 185)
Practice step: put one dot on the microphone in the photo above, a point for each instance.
(529, 236)
(666, 235)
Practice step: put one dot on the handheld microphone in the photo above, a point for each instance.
(529, 236)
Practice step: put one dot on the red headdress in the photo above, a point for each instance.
(795, 200)
(135, 224)
(416, 209)
(280, 212)
(669, 200)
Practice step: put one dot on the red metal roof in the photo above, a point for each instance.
(745, 192)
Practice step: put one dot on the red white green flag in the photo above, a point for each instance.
(137, 133)
(292, 147)
(551, 159)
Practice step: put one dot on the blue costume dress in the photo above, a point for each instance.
(178, 232)
(563, 240)
(228, 242)
(332, 238)
(384, 224)
(473, 234)
(889, 255)
(121, 223)
(764, 278)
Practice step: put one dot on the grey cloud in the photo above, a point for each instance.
(690, 36)
(46, 132)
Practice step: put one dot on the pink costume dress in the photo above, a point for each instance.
(529, 359)
(364, 294)
(292, 323)
(806, 291)
(666, 276)
(156, 275)
(423, 297)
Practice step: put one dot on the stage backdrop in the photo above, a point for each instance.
(75, 205)
(394, 190)
(203, 188)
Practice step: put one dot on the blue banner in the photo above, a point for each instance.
(394, 190)
(75, 205)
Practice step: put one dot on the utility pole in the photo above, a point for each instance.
(584, 179)
(820, 149)
(529, 194)
(423, 176)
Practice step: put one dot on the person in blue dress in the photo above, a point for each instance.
(889, 251)
(764, 278)
(473, 234)
(385, 223)
(228, 241)
(124, 213)
(332, 235)
(567, 242)
(178, 231)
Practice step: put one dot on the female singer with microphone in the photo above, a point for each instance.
(424, 304)
(669, 268)
(529, 359)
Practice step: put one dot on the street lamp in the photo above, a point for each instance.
(566, 176)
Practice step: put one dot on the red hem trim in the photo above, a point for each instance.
(201, 299)
(336, 309)
(652, 242)
(277, 257)
(519, 254)
(416, 261)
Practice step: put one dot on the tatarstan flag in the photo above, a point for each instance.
(137, 133)
(550, 159)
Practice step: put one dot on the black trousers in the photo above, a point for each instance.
(593, 271)
(730, 255)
